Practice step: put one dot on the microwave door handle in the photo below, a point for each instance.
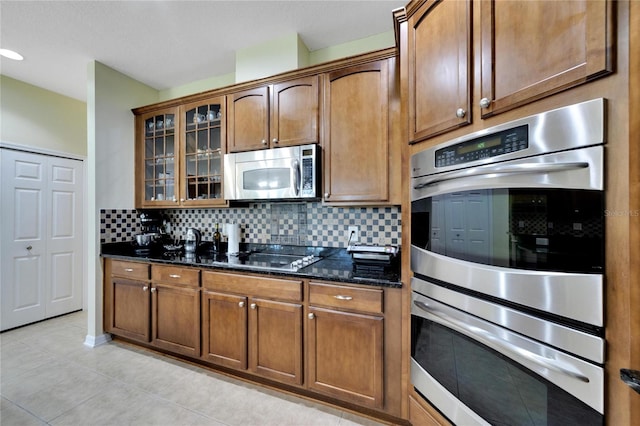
(485, 336)
(516, 169)
(295, 167)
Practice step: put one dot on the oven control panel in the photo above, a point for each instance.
(512, 140)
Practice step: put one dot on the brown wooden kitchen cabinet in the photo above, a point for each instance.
(282, 114)
(175, 309)
(202, 148)
(356, 136)
(254, 323)
(157, 159)
(345, 348)
(526, 51)
(127, 301)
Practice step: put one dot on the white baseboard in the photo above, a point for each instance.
(93, 341)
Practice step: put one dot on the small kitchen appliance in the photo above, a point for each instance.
(192, 240)
(273, 174)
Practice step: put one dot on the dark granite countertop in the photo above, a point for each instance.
(336, 264)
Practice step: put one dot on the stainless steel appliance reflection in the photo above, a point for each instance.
(507, 251)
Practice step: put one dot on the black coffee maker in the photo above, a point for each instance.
(150, 222)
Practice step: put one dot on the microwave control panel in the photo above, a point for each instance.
(307, 186)
(488, 146)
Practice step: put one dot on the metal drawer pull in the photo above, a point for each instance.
(128, 269)
(174, 276)
(341, 297)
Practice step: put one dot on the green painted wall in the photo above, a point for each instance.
(40, 118)
(356, 47)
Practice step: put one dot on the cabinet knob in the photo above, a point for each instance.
(145, 288)
(253, 306)
(484, 103)
(326, 195)
(460, 113)
(241, 304)
(153, 289)
(182, 200)
(311, 316)
(264, 141)
(274, 140)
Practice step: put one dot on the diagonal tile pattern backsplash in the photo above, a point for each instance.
(304, 224)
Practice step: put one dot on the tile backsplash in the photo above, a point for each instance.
(304, 224)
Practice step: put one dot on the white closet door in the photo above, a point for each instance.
(23, 238)
(64, 264)
(41, 255)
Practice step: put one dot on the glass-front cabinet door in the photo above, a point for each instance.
(157, 166)
(203, 150)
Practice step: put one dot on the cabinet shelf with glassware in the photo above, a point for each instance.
(179, 156)
(202, 153)
(156, 153)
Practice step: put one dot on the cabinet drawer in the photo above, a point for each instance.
(271, 288)
(132, 270)
(176, 275)
(351, 298)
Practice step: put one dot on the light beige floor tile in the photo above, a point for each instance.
(12, 415)
(17, 358)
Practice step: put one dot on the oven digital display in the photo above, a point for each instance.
(499, 143)
(478, 146)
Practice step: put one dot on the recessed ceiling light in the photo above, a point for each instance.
(11, 54)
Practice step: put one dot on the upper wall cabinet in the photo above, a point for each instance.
(531, 49)
(527, 50)
(179, 155)
(439, 45)
(282, 114)
(156, 159)
(202, 150)
(356, 136)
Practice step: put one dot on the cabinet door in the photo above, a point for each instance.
(532, 49)
(356, 134)
(204, 147)
(224, 329)
(130, 309)
(248, 120)
(156, 164)
(345, 356)
(439, 68)
(275, 348)
(176, 318)
(294, 112)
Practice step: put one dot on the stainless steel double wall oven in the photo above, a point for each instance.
(507, 253)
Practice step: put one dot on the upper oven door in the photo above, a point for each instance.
(530, 232)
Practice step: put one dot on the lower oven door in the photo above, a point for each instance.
(475, 372)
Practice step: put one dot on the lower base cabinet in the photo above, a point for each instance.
(175, 309)
(331, 339)
(345, 348)
(245, 328)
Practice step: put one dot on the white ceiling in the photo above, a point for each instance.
(167, 44)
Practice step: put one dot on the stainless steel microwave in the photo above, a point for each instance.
(273, 174)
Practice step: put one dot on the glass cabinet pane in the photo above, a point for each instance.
(159, 161)
(203, 153)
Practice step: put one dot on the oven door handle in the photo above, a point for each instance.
(515, 169)
(485, 336)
